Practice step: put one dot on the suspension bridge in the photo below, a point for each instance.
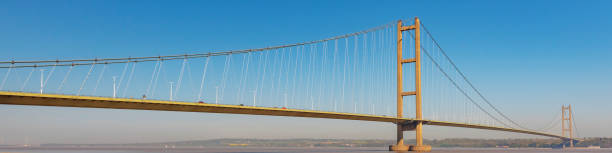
(368, 76)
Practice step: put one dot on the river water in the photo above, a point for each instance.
(299, 150)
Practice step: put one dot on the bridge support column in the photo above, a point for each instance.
(400, 141)
(567, 118)
(399, 146)
(400, 93)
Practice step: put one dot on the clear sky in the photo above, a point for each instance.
(528, 57)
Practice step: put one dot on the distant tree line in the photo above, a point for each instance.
(453, 142)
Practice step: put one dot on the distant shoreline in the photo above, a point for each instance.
(338, 143)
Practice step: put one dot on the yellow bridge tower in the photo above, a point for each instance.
(566, 117)
(408, 126)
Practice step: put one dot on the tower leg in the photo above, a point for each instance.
(419, 147)
(399, 146)
(419, 114)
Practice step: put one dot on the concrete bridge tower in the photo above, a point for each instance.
(418, 125)
(566, 124)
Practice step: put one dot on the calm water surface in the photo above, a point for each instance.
(297, 150)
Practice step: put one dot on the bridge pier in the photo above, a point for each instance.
(399, 146)
(409, 126)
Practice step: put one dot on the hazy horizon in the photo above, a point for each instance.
(528, 57)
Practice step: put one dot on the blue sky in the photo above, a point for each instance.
(528, 57)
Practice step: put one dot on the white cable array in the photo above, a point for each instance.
(49, 76)
(224, 77)
(259, 76)
(306, 76)
(64, 80)
(99, 79)
(310, 81)
(147, 92)
(180, 79)
(127, 85)
(333, 97)
(122, 75)
(295, 68)
(26, 80)
(159, 69)
(344, 72)
(280, 74)
(8, 72)
(246, 72)
(85, 79)
(203, 78)
(354, 89)
(322, 73)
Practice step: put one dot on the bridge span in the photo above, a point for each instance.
(396, 65)
(36, 99)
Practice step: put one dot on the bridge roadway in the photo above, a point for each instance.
(22, 98)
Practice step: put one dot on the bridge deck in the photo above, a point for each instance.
(21, 98)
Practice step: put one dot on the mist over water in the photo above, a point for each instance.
(299, 150)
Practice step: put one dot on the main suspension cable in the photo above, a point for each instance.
(468, 82)
(78, 62)
(458, 88)
(548, 125)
